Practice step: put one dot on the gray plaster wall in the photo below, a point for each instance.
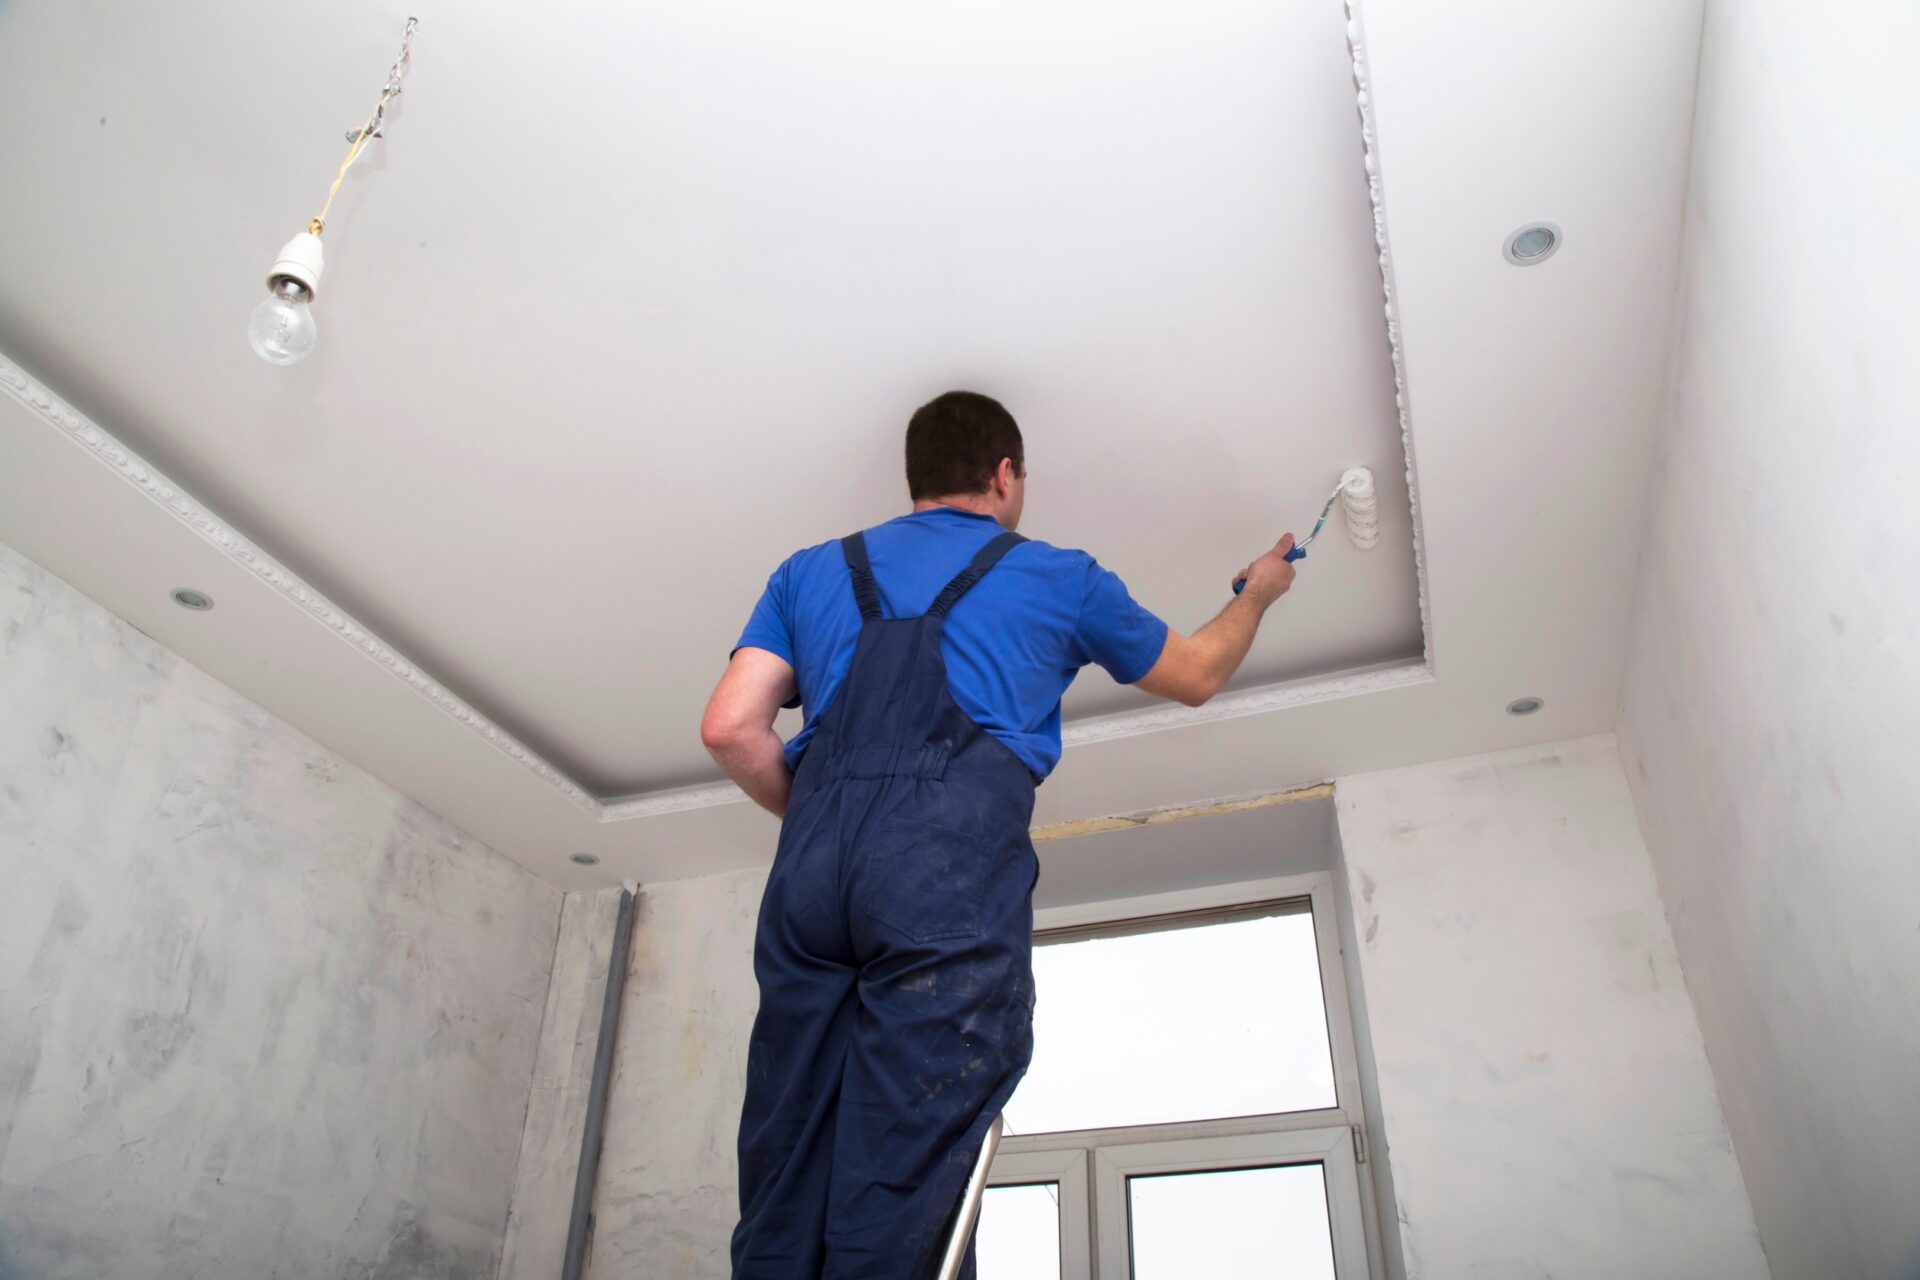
(1772, 706)
(543, 1184)
(666, 1200)
(259, 1015)
(1543, 1095)
(1547, 1102)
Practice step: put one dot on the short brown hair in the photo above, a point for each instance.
(955, 443)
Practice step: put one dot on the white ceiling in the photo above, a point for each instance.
(635, 299)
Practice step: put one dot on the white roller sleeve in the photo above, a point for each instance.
(1361, 506)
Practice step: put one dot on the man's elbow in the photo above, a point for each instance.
(1187, 689)
(1179, 682)
(1198, 694)
(721, 734)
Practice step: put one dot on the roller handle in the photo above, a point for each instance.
(1296, 553)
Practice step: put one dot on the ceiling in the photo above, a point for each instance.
(633, 300)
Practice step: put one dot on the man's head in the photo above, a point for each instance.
(964, 450)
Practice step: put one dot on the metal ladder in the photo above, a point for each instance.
(969, 1211)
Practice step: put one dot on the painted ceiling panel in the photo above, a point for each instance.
(635, 299)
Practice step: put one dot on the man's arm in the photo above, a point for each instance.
(738, 726)
(1191, 669)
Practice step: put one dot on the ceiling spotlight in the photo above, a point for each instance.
(1525, 706)
(585, 859)
(188, 598)
(1532, 243)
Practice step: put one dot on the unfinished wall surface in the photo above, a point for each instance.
(1772, 707)
(543, 1183)
(1544, 1094)
(259, 1015)
(667, 1198)
(1547, 1104)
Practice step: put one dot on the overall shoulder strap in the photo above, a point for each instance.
(853, 548)
(985, 559)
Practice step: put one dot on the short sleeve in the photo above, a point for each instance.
(1114, 630)
(770, 626)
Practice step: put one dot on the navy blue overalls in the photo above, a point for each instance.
(895, 962)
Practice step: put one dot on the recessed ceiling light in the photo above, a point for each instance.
(188, 598)
(1532, 243)
(586, 859)
(1525, 706)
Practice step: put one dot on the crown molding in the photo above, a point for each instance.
(1256, 701)
(657, 804)
(1078, 733)
(152, 483)
(1376, 196)
(116, 457)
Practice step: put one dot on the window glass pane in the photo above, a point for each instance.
(1191, 1023)
(1233, 1225)
(1019, 1233)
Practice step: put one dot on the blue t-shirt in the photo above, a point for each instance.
(1013, 643)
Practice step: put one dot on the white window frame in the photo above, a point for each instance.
(1331, 1148)
(1066, 1170)
(1330, 1136)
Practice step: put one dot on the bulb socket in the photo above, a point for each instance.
(300, 261)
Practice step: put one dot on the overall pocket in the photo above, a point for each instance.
(928, 882)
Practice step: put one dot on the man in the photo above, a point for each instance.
(894, 951)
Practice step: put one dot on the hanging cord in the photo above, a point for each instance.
(358, 138)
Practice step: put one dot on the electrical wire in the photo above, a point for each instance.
(359, 138)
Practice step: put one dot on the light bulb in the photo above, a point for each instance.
(281, 327)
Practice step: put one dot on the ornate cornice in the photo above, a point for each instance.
(1363, 99)
(655, 804)
(145, 478)
(1247, 702)
(1126, 724)
(1275, 697)
(164, 493)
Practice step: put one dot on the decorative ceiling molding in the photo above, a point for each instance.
(1363, 98)
(107, 450)
(130, 467)
(1247, 702)
(176, 502)
(1127, 724)
(655, 804)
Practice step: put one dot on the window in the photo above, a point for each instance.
(1033, 1220)
(1168, 1020)
(1192, 1108)
(1238, 1222)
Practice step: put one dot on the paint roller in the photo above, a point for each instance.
(1357, 501)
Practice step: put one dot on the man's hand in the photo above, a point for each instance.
(1191, 669)
(738, 726)
(1269, 577)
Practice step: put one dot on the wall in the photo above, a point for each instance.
(1546, 1102)
(1544, 1095)
(1392, 1261)
(259, 1015)
(1772, 704)
(549, 1166)
(666, 1199)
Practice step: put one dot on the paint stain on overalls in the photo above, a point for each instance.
(894, 956)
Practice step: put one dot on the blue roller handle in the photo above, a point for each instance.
(1299, 549)
(1297, 553)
